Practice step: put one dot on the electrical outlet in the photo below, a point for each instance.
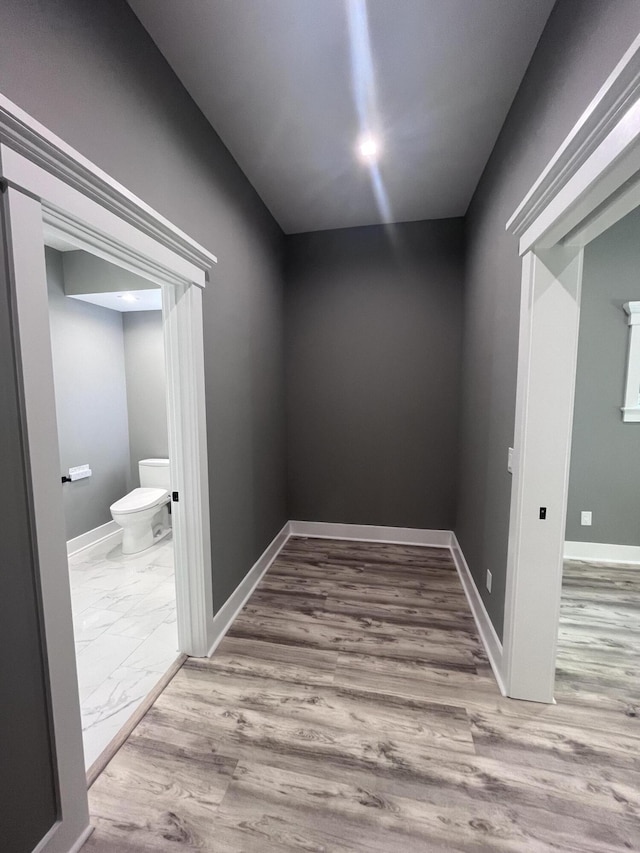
(489, 580)
(586, 519)
(510, 460)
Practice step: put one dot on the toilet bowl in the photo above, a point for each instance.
(143, 514)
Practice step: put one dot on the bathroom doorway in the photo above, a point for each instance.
(108, 355)
(49, 188)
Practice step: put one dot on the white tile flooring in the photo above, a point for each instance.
(124, 617)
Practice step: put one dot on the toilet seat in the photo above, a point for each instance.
(139, 500)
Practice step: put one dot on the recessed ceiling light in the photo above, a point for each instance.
(128, 297)
(368, 148)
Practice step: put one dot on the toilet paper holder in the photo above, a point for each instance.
(80, 472)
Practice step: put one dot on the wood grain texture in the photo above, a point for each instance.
(351, 708)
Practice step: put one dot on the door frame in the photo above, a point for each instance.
(591, 182)
(46, 183)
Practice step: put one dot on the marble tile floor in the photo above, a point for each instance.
(124, 619)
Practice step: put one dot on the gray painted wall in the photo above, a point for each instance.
(605, 462)
(146, 387)
(579, 48)
(91, 402)
(27, 791)
(373, 336)
(95, 77)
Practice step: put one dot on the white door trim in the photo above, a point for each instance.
(38, 145)
(583, 183)
(47, 185)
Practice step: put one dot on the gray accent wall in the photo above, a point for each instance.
(605, 458)
(95, 77)
(580, 46)
(373, 338)
(91, 402)
(146, 387)
(28, 801)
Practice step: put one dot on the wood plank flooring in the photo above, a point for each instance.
(351, 708)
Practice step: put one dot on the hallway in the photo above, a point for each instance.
(351, 708)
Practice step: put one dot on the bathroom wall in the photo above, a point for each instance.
(109, 372)
(605, 464)
(146, 387)
(87, 345)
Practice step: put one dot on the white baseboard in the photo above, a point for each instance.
(81, 840)
(52, 841)
(110, 530)
(372, 533)
(223, 619)
(487, 632)
(601, 552)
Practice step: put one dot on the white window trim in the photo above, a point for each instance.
(46, 181)
(588, 185)
(631, 407)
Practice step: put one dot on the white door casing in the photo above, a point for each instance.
(589, 184)
(47, 184)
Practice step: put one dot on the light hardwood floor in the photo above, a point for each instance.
(351, 708)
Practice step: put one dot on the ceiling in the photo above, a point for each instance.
(289, 85)
(124, 300)
(93, 279)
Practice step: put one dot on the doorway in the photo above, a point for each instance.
(598, 660)
(107, 344)
(591, 183)
(49, 188)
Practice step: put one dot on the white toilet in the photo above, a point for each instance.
(143, 514)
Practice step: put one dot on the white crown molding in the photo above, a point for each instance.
(633, 310)
(617, 95)
(29, 138)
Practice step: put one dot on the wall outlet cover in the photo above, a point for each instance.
(510, 460)
(586, 518)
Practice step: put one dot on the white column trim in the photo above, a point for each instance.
(186, 414)
(29, 284)
(631, 406)
(584, 188)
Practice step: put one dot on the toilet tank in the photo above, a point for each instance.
(154, 473)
